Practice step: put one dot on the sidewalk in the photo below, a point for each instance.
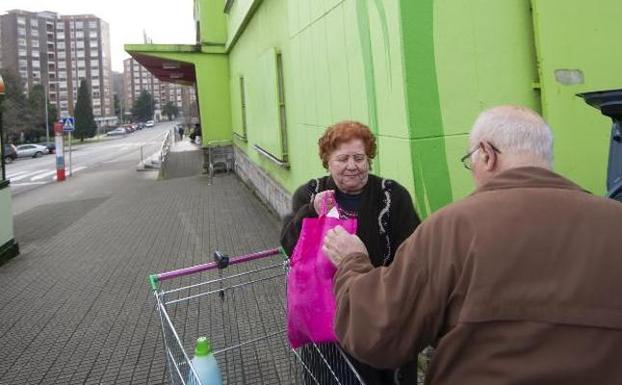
(76, 307)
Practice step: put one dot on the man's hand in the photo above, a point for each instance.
(338, 243)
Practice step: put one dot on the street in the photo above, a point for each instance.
(30, 173)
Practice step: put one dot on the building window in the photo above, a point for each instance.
(35, 43)
(60, 36)
(34, 23)
(79, 24)
(92, 24)
(21, 21)
(281, 92)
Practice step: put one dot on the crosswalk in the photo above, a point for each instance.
(31, 177)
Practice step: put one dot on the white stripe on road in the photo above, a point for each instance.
(44, 175)
(24, 176)
(26, 183)
(9, 176)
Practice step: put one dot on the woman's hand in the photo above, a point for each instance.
(329, 196)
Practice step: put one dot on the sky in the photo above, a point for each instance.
(164, 21)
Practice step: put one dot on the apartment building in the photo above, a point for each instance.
(59, 51)
(137, 78)
(27, 45)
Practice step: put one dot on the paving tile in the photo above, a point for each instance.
(77, 301)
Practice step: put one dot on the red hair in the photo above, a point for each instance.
(343, 132)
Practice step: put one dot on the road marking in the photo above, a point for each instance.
(75, 170)
(26, 183)
(9, 176)
(44, 175)
(24, 176)
(41, 175)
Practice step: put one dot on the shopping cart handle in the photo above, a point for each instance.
(222, 260)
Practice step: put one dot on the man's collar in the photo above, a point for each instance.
(531, 177)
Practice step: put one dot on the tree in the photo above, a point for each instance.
(171, 110)
(117, 107)
(15, 114)
(52, 116)
(36, 109)
(142, 109)
(85, 126)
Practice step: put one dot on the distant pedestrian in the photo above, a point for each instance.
(197, 134)
(181, 132)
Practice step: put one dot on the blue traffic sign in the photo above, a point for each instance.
(68, 124)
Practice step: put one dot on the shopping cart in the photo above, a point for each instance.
(243, 314)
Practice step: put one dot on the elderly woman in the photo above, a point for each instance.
(383, 208)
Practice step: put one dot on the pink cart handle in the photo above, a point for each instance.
(221, 262)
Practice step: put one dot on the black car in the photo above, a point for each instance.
(51, 146)
(9, 153)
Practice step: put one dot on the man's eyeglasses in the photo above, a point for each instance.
(467, 160)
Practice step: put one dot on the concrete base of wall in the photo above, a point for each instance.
(8, 251)
(267, 189)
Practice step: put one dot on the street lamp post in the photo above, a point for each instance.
(47, 124)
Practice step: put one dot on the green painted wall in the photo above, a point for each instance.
(460, 60)
(342, 60)
(583, 37)
(6, 216)
(213, 26)
(418, 72)
(212, 74)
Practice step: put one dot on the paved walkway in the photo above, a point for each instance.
(75, 306)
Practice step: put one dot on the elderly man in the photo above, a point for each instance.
(517, 284)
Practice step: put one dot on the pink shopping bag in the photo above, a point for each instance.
(310, 300)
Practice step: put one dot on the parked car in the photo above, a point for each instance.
(149, 123)
(34, 150)
(51, 146)
(10, 153)
(141, 125)
(117, 132)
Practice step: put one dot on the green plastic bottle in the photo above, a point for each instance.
(205, 365)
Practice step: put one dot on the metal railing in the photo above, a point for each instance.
(153, 154)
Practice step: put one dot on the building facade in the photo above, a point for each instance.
(137, 78)
(272, 75)
(58, 52)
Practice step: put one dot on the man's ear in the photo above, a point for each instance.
(489, 156)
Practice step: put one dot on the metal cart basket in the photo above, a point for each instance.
(243, 315)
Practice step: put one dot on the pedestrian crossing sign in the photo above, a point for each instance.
(68, 124)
